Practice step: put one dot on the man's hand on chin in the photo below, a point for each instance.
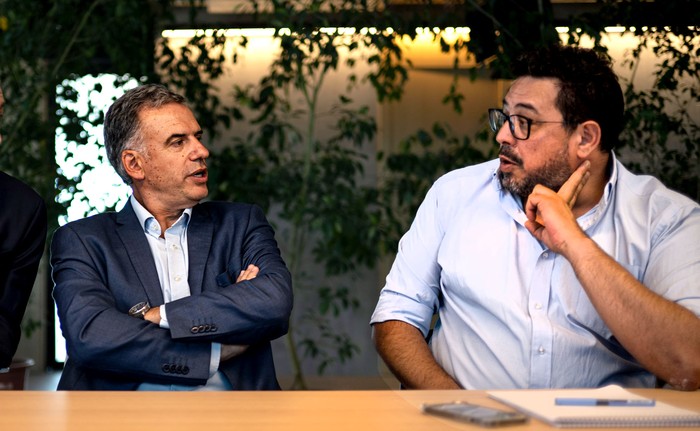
(549, 214)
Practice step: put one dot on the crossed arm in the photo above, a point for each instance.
(95, 285)
(228, 351)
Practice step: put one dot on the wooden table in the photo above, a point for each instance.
(251, 411)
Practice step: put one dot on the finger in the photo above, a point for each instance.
(570, 190)
(531, 211)
(537, 224)
(534, 227)
(571, 202)
(244, 275)
(253, 271)
(248, 274)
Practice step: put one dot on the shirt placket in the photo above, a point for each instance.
(542, 335)
(177, 266)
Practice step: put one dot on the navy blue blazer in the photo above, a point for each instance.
(102, 265)
(22, 239)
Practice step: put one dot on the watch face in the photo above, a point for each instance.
(139, 310)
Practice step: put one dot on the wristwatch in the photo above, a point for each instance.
(139, 310)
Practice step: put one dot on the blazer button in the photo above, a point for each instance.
(207, 327)
(166, 368)
(201, 328)
(194, 329)
(213, 328)
(185, 370)
(178, 370)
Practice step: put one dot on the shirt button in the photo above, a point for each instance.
(538, 306)
(174, 247)
(541, 350)
(545, 255)
(178, 278)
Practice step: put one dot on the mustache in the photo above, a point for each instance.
(508, 153)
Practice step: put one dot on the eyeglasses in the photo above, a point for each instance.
(519, 126)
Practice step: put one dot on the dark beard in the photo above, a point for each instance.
(552, 175)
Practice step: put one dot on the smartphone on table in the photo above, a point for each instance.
(472, 413)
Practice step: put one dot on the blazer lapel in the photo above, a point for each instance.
(134, 239)
(200, 232)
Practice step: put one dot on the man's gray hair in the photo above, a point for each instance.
(122, 126)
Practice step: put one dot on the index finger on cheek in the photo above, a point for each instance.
(570, 189)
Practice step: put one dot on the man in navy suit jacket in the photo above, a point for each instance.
(22, 238)
(169, 293)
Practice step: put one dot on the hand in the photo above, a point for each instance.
(229, 351)
(153, 315)
(550, 216)
(248, 274)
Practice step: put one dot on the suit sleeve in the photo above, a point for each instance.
(24, 237)
(249, 312)
(99, 333)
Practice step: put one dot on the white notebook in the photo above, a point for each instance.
(540, 403)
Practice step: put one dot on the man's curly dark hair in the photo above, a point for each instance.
(589, 89)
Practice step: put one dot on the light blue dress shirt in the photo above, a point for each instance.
(512, 313)
(170, 254)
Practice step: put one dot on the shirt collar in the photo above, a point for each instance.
(149, 223)
(613, 177)
(591, 217)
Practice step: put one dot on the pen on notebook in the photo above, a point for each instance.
(604, 402)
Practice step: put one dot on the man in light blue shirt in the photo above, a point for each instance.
(553, 266)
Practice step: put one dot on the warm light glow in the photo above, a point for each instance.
(267, 32)
(610, 29)
(615, 29)
(338, 30)
(231, 32)
(449, 32)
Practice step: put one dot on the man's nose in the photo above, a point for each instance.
(200, 151)
(504, 136)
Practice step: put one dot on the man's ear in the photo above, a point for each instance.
(590, 135)
(133, 164)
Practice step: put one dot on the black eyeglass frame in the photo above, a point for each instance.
(496, 114)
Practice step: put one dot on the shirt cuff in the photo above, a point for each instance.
(395, 306)
(215, 358)
(163, 318)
